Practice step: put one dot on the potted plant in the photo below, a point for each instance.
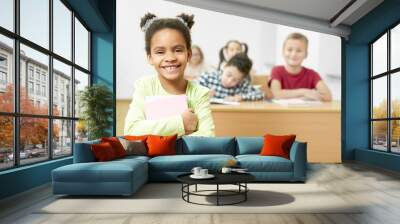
(96, 102)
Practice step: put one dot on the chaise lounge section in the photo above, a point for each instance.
(88, 177)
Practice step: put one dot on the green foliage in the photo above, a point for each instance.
(96, 102)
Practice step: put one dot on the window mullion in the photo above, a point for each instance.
(73, 82)
(50, 81)
(389, 104)
(16, 83)
(371, 86)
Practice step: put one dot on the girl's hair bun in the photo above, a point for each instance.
(146, 18)
(187, 18)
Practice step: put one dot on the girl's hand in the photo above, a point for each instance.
(235, 98)
(211, 93)
(190, 121)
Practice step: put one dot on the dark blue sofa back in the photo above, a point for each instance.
(190, 145)
(249, 145)
(83, 152)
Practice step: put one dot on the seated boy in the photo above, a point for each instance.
(231, 84)
(292, 80)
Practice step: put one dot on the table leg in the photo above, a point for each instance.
(217, 194)
(182, 188)
(245, 193)
(188, 190)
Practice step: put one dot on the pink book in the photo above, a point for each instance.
(158, 107)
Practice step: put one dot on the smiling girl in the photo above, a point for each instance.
(167, 44)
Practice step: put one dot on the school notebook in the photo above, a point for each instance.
(222, 101)
(296, 102)
(158, 107)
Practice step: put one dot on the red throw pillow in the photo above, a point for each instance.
(161, 145)
(116, 145)
(275, 145)
(103, 151)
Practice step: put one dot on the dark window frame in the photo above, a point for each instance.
(16, 114)
(388, 74)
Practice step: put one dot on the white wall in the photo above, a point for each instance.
(211, 31)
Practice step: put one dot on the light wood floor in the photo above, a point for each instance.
(377, 188)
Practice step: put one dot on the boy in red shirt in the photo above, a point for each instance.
(292, 80)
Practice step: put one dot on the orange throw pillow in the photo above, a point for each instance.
(136, 138)
(161, 145)
(103, 151)
(116, 145)
(275, 145)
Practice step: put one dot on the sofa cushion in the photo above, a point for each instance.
(103, 152)
(136, 137)
(93, 172)
(257, 163)
(132, 159)
(116, 145)
(196, 145)
(112, 171)
(161, 145)
(185, 163)
(83, 152)
(277, 145)
(135, 147)
(249, 145)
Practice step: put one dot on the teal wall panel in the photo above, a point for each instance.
(356, 84)
(103, 65)
(24, 178)
(103, 59)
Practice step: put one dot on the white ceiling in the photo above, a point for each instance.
(320, 9)
(314, 15)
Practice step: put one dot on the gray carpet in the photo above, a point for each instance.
(166, 198)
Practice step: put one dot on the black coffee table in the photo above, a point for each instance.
(238, 179)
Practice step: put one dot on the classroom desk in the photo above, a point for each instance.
(318, 125)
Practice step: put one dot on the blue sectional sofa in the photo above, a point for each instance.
(125, 176)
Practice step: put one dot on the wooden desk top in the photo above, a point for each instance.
(265, 106)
